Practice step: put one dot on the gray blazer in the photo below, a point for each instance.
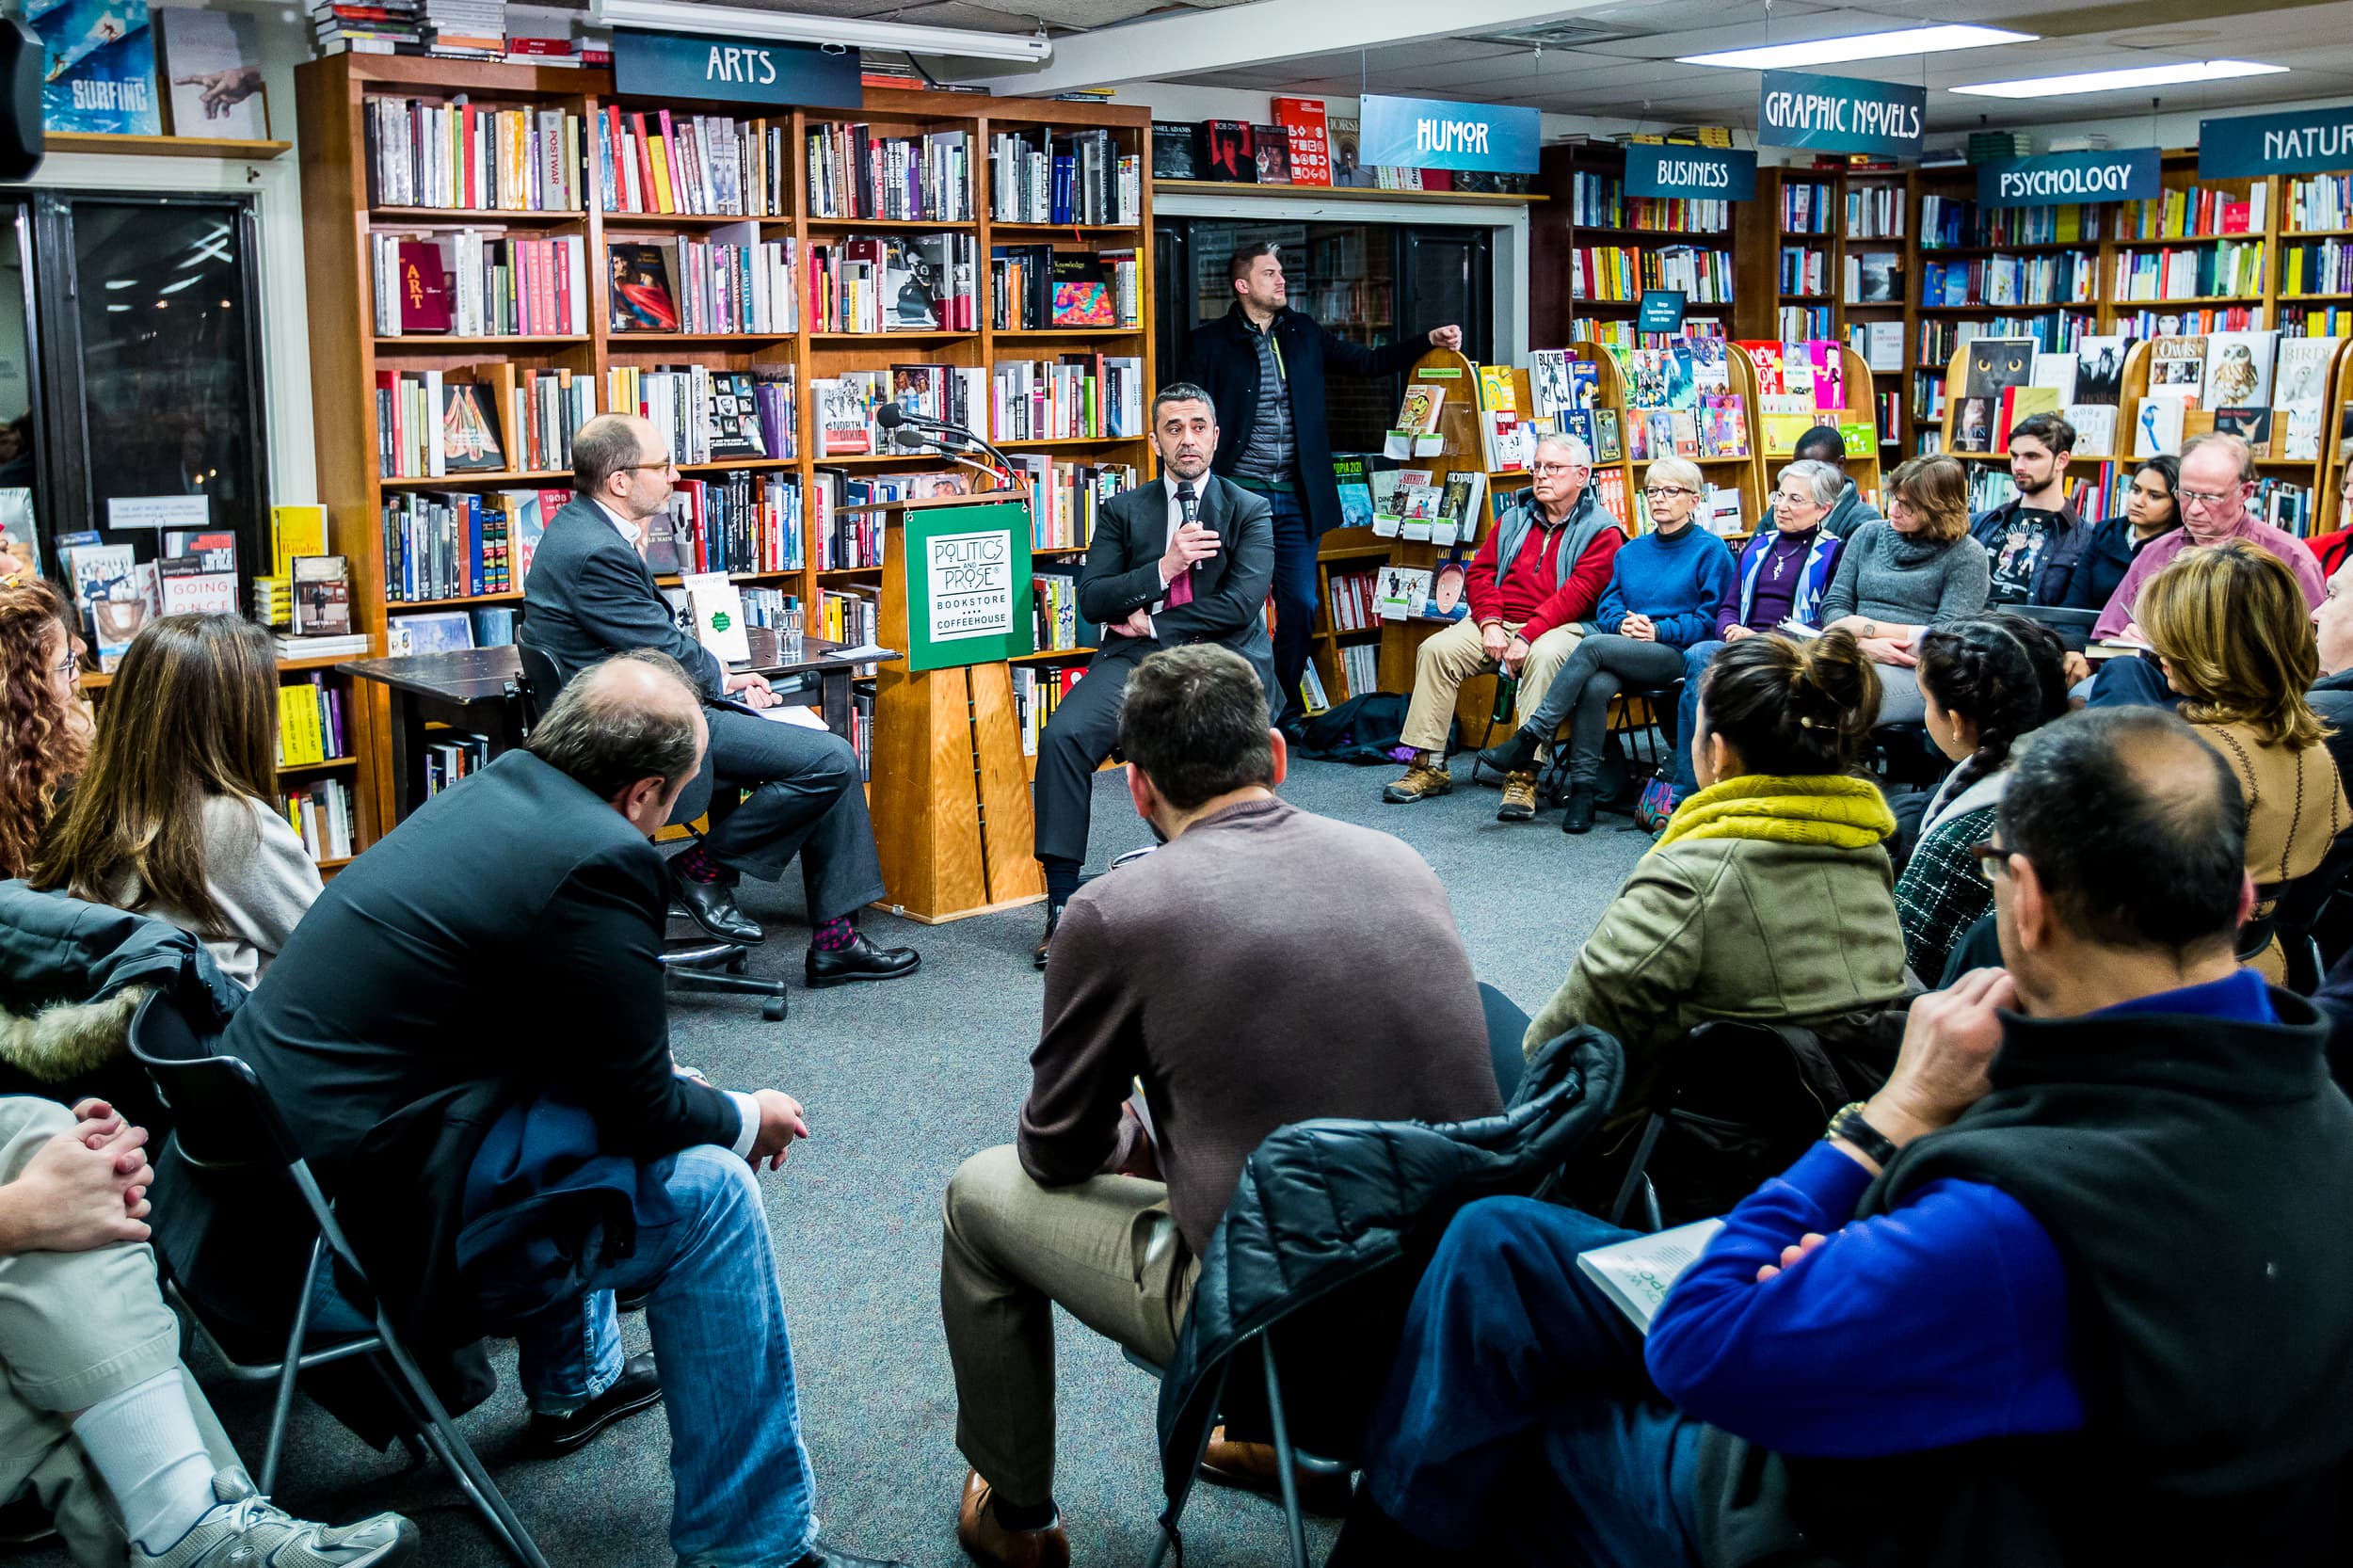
(1229, 589)
(590, 595)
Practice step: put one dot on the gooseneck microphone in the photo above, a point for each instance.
(913, 432)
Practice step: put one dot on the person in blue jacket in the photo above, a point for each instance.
(1664, 588)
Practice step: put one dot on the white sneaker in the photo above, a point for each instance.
(243, 1529)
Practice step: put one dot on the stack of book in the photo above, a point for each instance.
(380, 27)
(322, 814)
(423, 154)
(311, 725)
(466, 29)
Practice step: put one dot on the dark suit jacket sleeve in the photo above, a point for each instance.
(1248, 528)
(599, 972)
(613, 605)
(1087, 1056)
(1357, 360)
(1109, 588)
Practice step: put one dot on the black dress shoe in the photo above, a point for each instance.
(825, 1556)
(1578, 817)
(860, 960)
(712, 906)
(1516, 755)
(638, 1386)
(1039, 953)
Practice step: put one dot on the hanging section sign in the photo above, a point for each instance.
(2126, 174)
(2301, 141)
(737, 71)
(1433, 133)
(1840, 114)
(1693, 173)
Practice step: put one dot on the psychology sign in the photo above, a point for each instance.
(1840, 114)
(1434, 133)
(2301, 141)
(2126, 174)
(1695, 173)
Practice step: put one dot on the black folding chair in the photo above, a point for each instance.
(228, 1136)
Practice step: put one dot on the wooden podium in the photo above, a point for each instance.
(951, 793)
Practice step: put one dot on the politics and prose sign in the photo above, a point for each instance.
(2125, 174)
(1695, 173)
(736, 71)
(2301, 141)
(1840, 114)
(1433, 133)
(968, 585)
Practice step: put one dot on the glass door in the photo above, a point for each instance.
(24, 521)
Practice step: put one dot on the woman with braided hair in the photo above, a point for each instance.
(1985, 681)
(44, 735)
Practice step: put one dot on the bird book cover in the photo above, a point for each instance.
(98, 71)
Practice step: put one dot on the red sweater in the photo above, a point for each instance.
(1527, 598)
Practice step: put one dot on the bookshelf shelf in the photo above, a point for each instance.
(407, 217)
(1074, 441)
(446, 481)
(1043, 230)
(1069, 334)
(692, 220)
(336, 862)
(623, 342)
(166, 146)
(829, 224)
(892, 336)
(326, 766)
(403, 606)
(2144, 242)
(434, 342)
(727, 465)
(2316, 233)
(95, 680)
(844, 571)
(1341, 193)
(1051, 656)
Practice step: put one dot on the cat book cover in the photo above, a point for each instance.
(97, 71)
(1993, 364)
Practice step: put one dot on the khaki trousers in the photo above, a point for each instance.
(1105, 1249)
(76, 1328)
(1454, 655)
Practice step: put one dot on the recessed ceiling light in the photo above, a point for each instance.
(1859, 46)
(2113, 81)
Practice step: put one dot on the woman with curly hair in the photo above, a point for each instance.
(44, 736)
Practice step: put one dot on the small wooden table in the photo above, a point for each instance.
(479, 690)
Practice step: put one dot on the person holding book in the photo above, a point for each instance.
(1665, 587)
(1916, 570)
(1986, 682)
(589, 596)
(44, 733)
(1223, 973)
(176, 814)
(1185, 561)
(2034, 540)
(2069, 1288)
(1851, 511)
(2149, 511)
(1534, 580)
(484, 988)
(1263, 365)
(1767, 897)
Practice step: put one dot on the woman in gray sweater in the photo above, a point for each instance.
(1916, 570)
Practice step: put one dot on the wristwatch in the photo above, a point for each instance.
(1849, 1124)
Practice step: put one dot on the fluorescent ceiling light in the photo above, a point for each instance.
(2114, 81)
(675, 16)
(1859, 46)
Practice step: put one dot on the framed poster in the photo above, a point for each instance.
(968, 576)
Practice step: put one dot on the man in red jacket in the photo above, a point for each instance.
(1539, 572)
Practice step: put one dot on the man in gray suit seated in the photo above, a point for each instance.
(590, 595)
(1187, 560)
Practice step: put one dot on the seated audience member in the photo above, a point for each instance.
(501, 946)
(2217, 479)
(1536, 577)
(1986, 682)
(2068, 1289)
(2149, 511)
(174, 815)
(2034, 541)
(105, 1425)
(1782, 574)
(1768, 896)
(2332, 549)
(2234, 639)
(1186, 560)
(44, 736)
(1919, 569)
(1664, 589)
(1223, 972)
(2331, 695)
(1851, 511)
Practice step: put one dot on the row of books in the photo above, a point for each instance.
(1055, 624)
(460, 156)
(451, 758)
(1359, 669)
(924, 283)
(1949, 220)
(2064, 278)
(710, 415)
(2194, 211)
(462, 544)
(2319, 201)
(1035, 286)
(849, 533)
(311, 724)
(2316, 321)
(2220, 318)
(1600, 202)
(855, 173)
(2228, 269)
(2056, 332)
(850, 614)
(1037, 691)
(432, 423)
(1874, 277)
(2318, 267)
(450, 631)
(1805, 207)
(1081, 177)
(1078, 397)
(1875, 212)
(1803, 269)
(321, 814)
(1066, 499)
(478, 283)
(722, 282)
(1796, 323)
(1351, 601)
(743, 522)
(707, 164)
(1623, 272)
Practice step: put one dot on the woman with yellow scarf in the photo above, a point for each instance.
(1768, 897)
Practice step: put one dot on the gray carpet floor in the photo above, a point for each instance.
(902, 1082)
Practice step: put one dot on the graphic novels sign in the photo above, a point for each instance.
(1840, 114)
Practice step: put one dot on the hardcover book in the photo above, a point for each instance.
(2178, 364)
(2252, 426)
(1301, 120)
(1226, 150)
(98, 67)
(1172, 150)
(2238, 369)
(469, 437)
(1271, 144)
(640, 296)
(424, 288)
(322, 596)
(213, 62)
(1994, 364)
(735, 430)
(1082, 293)
(2099, 369)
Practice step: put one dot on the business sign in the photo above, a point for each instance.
(2128, 174)
(2301, 141)
(1840, 114)
(1695, 173)
(737, 71)
(1662, 311)
(1432, 132)
(968, 571)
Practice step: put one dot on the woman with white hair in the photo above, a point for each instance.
(1664, 588)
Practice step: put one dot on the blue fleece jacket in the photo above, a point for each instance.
(1677, 582)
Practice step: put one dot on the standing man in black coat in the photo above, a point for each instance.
(1263, 369)
(1184, 560)
(589, 596)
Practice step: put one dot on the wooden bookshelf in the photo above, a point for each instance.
(1587, 208)
(164, 146)
(347, 352)
(2330, 513)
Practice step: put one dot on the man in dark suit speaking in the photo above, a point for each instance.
(1187, 560)
(590, 595)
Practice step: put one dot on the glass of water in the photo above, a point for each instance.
(788, 634)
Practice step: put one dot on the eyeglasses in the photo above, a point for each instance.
(69, 667)
(1659, 492)
(1991, 859)
(1555, 468)
(2199, 498)
(666, 463)
(1790, 498)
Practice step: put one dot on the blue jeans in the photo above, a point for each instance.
(1295, 593)
(1512, 1360)
(1695, 660)
(2135, 680)
(744, 1496)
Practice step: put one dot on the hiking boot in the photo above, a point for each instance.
(1425, 780)
(243, 1527)
(1578, 817)
(1519, 796)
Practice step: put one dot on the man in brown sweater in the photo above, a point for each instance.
(1245, 973)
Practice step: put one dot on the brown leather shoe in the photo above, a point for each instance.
(1251, 1467)
(1426, 779)
(986, 1541)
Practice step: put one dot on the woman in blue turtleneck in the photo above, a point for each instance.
(1661, 599)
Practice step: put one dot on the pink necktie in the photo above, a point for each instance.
(1181, 591)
